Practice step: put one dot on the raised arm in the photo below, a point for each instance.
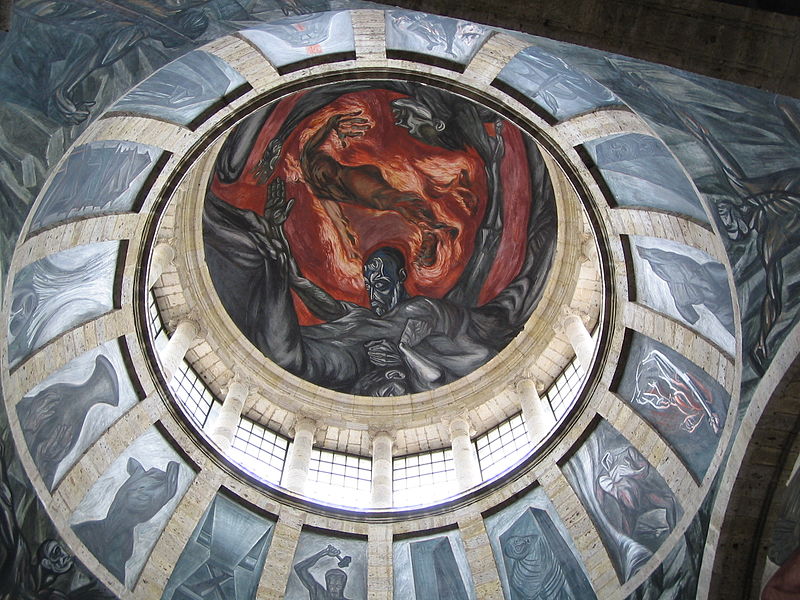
(302, 570)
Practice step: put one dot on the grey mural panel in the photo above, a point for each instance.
(293, 39)
(182, 90)
(97, 178)
(686, 284)
(534, 551)
(59, 292)
(680, 400)
(554, 85)
(224, 558)
(630, 503)
(640, 171)
(62, 416)
(122, 516)
(451, 39)
(432, 567)
(328, 566)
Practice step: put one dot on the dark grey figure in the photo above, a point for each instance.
(335, 579)
(137, 501)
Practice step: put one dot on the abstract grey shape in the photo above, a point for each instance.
(121, 517)
(294, 39)
(630, 503)
(436, 574)
(96, 178)
(59, 292)
(640, 171)
(443, 37)
(553, 84)
(686, 284)
(224, 557)
(62, 416)
(182, 90)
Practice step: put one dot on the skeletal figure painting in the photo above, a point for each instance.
(224, 558)
(56, 293)
(686, 284)
(62, 416)
(121, 517)
(432, 567)
(680, 400)
(630, 503)
(535, 556)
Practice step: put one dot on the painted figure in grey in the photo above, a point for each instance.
(435, 571)
(535, 573)
(52, 420)
(692, 284)
(137, 501)
(637, 506)
(23, 576)
(660, 384)
(335, 579)
(767, 206)
(436, 34)
(400, 345)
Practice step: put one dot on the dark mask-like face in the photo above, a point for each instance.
(383, 278)
(418, 119)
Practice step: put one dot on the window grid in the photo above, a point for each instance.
(502, 446)
(192, 393)
(347, 478)
(155, 323)
(423, 478)
(564, 390)
(259, 450)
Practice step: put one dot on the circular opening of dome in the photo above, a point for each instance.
(378, 257)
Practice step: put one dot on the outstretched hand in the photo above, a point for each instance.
(349, 125)
(267, 229)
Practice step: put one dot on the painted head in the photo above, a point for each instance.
(418, 119)
(335, 582)
(384, 274)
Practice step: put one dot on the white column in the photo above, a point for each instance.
(184, 335)
(224, 427)
(571, 325)
(295, 471)
(539, 417)
(465, 458)
(382, 444)
(163, 255)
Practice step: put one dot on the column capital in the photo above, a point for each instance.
(588, 247)
(165, 250)
(459, 424)
(198, 331)
(567, 314)
(238, 377)
(303, 423)
(526, 379)
(375, 434)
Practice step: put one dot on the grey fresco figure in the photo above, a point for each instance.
(139, 498)
(436, 574)
(444, 37)
(335, 578)
(225, 556)
(52, 420)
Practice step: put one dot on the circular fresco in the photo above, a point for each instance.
(379, 238)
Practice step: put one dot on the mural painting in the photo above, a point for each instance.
(379, 238)
(629, 502)
(450, 39)
(63, 415)
(686, 284)
(56, 293)
(640, 171)
(183, 89)
(783, 554)
(554, 84)
(534, 552)
(432, 567)
(682, 402)
(121, 517)
(328, 565)
(224, 558)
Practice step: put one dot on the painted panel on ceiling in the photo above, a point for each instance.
(122, 516)
(640, 171)
(183, 90)
(432, 567)
(63, 415)
(97, 178)
(442, 37)
(534, 551)
(682, 402)
(687, 284)
(56, 293)
(627, 499)
(295, 39)
(224, 558)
